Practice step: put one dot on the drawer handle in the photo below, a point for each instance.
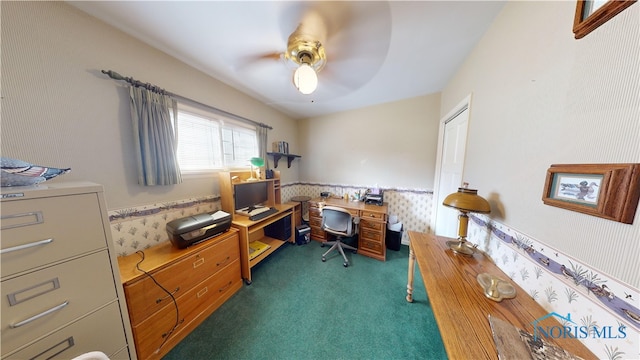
(31, 292)
(36, 317)
(198, 262)
(159, 300)
(39, 219)
(224, 261)
(164, 335)
(202, 292)
(26, 246)
(69, 344)
(224, 288)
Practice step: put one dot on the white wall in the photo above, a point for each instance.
(540, 97)
(59, 110)
(391, 145)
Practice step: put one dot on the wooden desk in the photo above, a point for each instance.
(460, 306)
(254, 230)
(372, 227)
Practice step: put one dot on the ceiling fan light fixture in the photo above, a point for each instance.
(305, 79)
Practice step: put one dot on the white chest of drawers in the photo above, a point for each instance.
(60, 284)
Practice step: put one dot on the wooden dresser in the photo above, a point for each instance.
(200, 278)
(61, 294)
(372, 228)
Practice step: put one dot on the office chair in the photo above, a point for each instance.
(339, 222)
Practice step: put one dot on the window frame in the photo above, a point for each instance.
(223, 122)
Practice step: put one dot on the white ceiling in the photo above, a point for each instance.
(377, 51)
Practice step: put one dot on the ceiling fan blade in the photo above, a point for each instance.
(358, 38)
(244, 61)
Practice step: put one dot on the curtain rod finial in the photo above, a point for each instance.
(114, 75)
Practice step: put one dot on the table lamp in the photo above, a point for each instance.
(257, 162)
(465, 200)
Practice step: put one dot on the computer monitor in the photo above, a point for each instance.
(250, 194)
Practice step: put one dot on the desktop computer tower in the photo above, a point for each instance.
(280, 229)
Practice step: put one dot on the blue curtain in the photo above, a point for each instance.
(154, 137)
(262, 144)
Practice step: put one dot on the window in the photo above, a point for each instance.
(209, 142)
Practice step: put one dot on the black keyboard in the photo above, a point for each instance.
(263, 214)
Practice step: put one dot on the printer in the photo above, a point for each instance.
(191, 230)
(375, 197)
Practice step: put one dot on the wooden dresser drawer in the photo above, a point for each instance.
(81, 337)
(38, 232)
(39, 302)
(144, 297)
(213, 291)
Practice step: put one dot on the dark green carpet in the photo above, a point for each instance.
(301, 308)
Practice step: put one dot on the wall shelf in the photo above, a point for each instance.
(277, 156)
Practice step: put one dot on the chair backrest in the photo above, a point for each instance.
(337, 221)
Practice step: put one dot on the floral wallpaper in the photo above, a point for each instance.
(608, 311)
(144, 226)
(141, 227)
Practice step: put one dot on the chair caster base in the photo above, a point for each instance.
(323, 259)
(346, 264)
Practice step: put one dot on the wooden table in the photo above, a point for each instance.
(460, 306)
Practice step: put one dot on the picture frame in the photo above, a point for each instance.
(587, 17)
(609, 191)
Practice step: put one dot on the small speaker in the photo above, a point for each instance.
(325, 194)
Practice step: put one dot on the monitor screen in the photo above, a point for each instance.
(250, 194)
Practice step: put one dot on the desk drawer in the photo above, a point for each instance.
(63, 226)
(315, 221)
(372, 215)
(372, 226)
(81, 337)
(370, 246)
(314, 212)
(39, 302)
(150, 333)
(144, 297)
(371, 237)
(317, 233)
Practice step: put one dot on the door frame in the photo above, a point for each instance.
(459, 108)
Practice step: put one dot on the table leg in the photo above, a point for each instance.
(412, 263)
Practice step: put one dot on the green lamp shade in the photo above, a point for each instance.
(257, 161)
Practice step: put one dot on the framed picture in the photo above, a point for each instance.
(610, 191)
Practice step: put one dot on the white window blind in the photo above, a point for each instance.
(209, 142)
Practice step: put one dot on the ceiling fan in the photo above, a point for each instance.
(349, 40)
(305, 49)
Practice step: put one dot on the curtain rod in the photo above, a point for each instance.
(115, 76)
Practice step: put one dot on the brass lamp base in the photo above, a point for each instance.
(461, 247)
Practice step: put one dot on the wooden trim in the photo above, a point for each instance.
(583, 26)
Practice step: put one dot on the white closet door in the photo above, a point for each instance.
(452, 165)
